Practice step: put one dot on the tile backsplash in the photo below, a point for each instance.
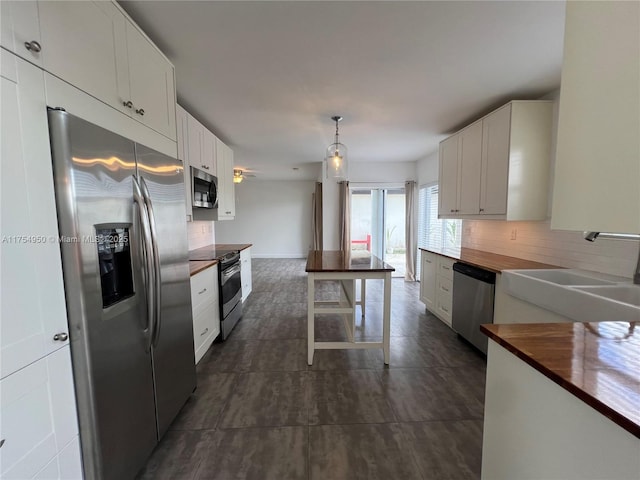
(200, 234)
(536, 241)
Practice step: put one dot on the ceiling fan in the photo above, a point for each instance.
(240, 173)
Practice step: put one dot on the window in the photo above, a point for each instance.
(432, 232)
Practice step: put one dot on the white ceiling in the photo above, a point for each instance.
(267, 76)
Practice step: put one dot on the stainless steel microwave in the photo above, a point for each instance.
(204, 189)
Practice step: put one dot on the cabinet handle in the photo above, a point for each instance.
(2, 442)
(482, 209)
(128, 104)
(202, 291)
(445, 267)
(443, 308)
(33, 46)
(205, 331)
(228, 213)
(140, 111)
(452, 210)
(205, 167)
(445, 289)
(61, 337)
(428, 261)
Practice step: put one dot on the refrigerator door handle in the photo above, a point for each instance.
(156, 261)
(148, 259)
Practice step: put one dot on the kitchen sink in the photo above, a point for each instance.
(564, 277)
(620, 293)
(579, 295)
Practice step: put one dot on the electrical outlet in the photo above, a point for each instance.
(514, 233)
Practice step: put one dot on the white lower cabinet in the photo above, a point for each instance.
(428, 279)
(39, 426)
(205, 304)
(245, 272)
(436, 285)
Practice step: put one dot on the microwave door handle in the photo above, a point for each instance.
(156, 261)
(148, 267)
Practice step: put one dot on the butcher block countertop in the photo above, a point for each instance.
(489, 261)
(337, 261)
(196, 266)
(205, 257)
(597, 362)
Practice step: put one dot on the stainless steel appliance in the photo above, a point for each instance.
(473, 293)
(125, 262)
(230, 293)
(204, 189)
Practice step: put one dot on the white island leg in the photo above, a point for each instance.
(310, 317)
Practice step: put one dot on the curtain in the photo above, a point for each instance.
(410, 231)
(345, 217)
(316, 223)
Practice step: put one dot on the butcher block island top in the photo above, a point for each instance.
(597, 362)
(339, 261)
(487, 260)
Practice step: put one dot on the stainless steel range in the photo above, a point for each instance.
(230, 293)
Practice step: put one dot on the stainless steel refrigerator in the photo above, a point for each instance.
(123, 238)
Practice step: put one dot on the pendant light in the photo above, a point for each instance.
(337, 166)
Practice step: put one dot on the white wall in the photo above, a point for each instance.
(200, 234)
(374, 172)
(275, 216)
(536, 241)
(427, 169)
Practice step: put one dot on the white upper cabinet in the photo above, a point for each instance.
(498, 167)
(209, 160)
(83, 43)
(226, 189)
(448, 196)
(495, 166)
(20, 30)
(195, 135)
(151, 82)
(597, 173)
(469, 170)
(96, 48)
(33, 308)
(182, 119)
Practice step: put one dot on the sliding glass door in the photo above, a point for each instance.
(378, 225)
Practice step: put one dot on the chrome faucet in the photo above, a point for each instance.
(591, 236)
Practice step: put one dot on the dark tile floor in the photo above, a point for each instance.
(261, 413)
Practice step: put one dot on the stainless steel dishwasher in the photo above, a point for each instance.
(473, 292)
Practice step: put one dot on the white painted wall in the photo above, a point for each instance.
(536, 241)
(275, 216)
(373, 172)
(200, 234)
(427, 169)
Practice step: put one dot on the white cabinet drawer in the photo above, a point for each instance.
(445, 267)
(206, 327)
(444, 286)
(444, 304)
(204, 288)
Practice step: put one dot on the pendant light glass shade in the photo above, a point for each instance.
(336, 158)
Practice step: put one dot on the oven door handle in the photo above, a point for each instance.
(230, 272)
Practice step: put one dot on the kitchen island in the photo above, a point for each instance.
(346, 269)
(562, 401)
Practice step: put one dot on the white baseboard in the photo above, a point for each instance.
(279, 255)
